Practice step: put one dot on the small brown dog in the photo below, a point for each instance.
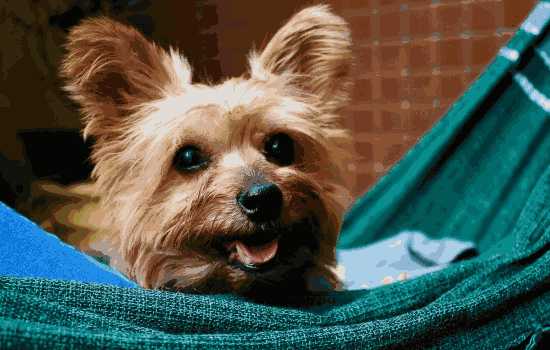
(238, 187)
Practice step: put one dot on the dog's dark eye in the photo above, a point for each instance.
(189, 158)
(279, 148)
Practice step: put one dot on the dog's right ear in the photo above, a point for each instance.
(110, 69)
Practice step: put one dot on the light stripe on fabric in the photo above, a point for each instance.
(544, 57)
(536, 20)
(531, 91)
(509, 54)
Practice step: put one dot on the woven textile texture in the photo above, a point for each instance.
(481, 174)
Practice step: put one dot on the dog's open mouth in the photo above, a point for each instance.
(252, 255)
(270, 246)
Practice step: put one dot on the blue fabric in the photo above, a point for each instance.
(405, 256)
(28, 251)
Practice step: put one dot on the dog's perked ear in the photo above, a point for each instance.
(314, 50)
(110, 69)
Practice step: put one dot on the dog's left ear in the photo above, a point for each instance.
(314, 49)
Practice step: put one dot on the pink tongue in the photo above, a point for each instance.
(256, 255)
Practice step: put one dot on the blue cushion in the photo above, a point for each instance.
(28, 251)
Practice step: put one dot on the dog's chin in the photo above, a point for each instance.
(269, 260)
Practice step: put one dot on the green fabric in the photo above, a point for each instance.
(482, 173)
(471, 175)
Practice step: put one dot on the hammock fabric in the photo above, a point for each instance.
(481, 174)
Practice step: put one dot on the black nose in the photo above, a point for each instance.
(261, 201)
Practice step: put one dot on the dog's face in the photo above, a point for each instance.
(236, 187)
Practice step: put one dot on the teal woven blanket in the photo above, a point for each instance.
(482, 174)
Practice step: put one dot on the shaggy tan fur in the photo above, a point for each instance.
(140, 106)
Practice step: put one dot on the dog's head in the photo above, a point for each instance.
(231, 187)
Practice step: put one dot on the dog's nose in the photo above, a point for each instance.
(261, 201)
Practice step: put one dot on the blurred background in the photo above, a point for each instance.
(415, 57)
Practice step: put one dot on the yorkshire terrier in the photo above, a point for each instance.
(237, 187)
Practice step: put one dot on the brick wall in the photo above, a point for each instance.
(415, 57)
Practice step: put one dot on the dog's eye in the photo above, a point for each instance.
(189, 158)
(279, 148)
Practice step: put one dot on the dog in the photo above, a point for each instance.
(237, 187)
